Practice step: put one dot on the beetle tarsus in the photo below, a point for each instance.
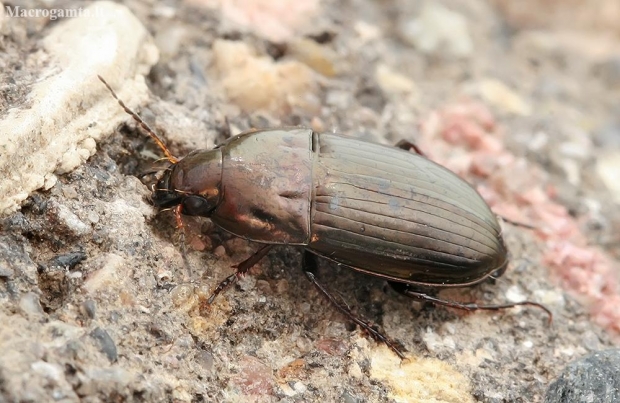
(242, 268)
(188, 267)
(473, 307)
(225, 284)
(408, 146)
(181, 227)
(309, 267)
(406, 291)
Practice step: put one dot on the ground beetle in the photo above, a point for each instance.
(384, 211)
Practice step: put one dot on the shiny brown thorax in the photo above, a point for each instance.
(267, 186)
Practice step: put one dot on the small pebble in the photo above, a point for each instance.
(607, 167)
(254, 378)
(392, 82)
(69, 192)
(52, 372)
(182, 294)
(263, 286)
(347, 397)
(89, 308)
(67, 260)
(92, 217)
(29, 304)
(332, 346)
(6, 271)
(609, 72)
(107, 345)
(219, 251)
(71, 221)
(439, 31)
(204, 359)
(164, 275)
(319, 58)
(502, 97)
(299, 387)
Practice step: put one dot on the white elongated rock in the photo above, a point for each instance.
(67, 110)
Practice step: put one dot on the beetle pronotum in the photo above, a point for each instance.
(384, 211)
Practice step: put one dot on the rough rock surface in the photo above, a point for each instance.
(98, 303)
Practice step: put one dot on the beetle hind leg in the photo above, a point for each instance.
(310, 268)
(408, 146)
(407, 291)
(242, 268)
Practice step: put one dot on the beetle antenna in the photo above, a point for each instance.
(142, 124)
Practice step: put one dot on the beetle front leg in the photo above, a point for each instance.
(310, 267)
(408, 292)
(181, 227)
(242, 268)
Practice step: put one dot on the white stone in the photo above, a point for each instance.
(439, 30)
(69, 108)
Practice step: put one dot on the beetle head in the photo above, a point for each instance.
(194, 183)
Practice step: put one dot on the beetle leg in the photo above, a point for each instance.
(517, 223)
(408, 146)
(177, 217)
(180, 226)
(405, 290)
(310, 268)
(242, 268)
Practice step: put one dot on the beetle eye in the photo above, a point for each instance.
(196, 205)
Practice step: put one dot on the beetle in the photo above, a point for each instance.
(384, 211)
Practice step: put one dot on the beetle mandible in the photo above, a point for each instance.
(380, 210)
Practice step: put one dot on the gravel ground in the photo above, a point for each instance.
(98, 301)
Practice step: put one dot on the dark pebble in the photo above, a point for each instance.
(108, 347)
(593, 378)
(90, 308)
(68, 260)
